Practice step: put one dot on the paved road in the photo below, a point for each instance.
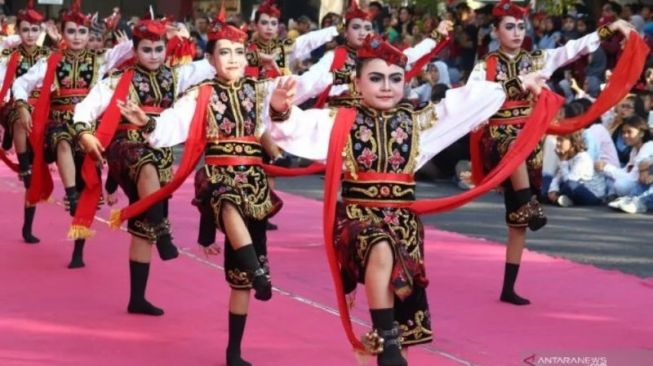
(595, 235)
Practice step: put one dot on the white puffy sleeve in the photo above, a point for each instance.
(173, 124)
(10, 41)
(478, 73)
(117, 55)
(314, 81)
(193, 73)
(305, 133)
(306, 43)
(420, 49)
(33, 78)
(461, 111)
(572, 50)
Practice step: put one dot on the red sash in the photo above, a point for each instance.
(42, 185)
(194, 148)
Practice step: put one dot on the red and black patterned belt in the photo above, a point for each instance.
(512, 112)
(372, 189)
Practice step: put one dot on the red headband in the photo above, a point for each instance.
(76, 16)
(507, 8)
(29, 14)
(355, 12)
(377, 47)
(221, 30)
(270, 8)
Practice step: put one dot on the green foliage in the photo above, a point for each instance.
(555, 7)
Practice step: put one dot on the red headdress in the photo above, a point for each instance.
(270, 8)
(221, 30)
(377, 47)
(29, 14)
(507, 8)
(355, 12)
(112, 20)
(76, 16)
(150, 28)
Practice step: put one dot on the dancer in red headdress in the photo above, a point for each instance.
(223, 119)
(269, 56)
(376, 237)
(492, 143)
(67, 75)
(331, 78)
(137, 168)
(14, 62)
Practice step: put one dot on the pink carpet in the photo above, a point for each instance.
(50, 315)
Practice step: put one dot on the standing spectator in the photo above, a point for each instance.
(202, 28)
(378, 13)
(405, 23)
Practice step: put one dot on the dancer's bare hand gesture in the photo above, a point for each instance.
(212, 249)
(445, 27)
(622, 26)
(534, 82)
(92, 146)
(284, 94)
(133, 113)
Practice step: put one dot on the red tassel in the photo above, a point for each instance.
(90, 196)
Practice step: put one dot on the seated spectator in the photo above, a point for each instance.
(641, 202)
(575, 181)
(629, 107)
(625, 181)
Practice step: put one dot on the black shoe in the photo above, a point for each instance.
(29, 238)
(262, 285)
(236, 360)
(537, 219)
(166, 249)
(270, 226)
(144, 307)
(391, 354)
(76, 262)
(513, 298)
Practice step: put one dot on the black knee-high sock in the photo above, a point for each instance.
(73, 198)
(523, 196)
(508, 293)
(246, 257)
(236, 331)
(383, 321)
(156, 218)
(207, 234)
(77, 260)
(24, 165)
(138, 274)
(27, 225)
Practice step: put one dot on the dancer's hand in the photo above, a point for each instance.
(121, 37)
(445, 27)
(133, 113)
(25, 119)
(270, 60)
(92, 146)
(622, 26)
(534, 82)
(212, 249)
(53, 32)
(283, 95)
